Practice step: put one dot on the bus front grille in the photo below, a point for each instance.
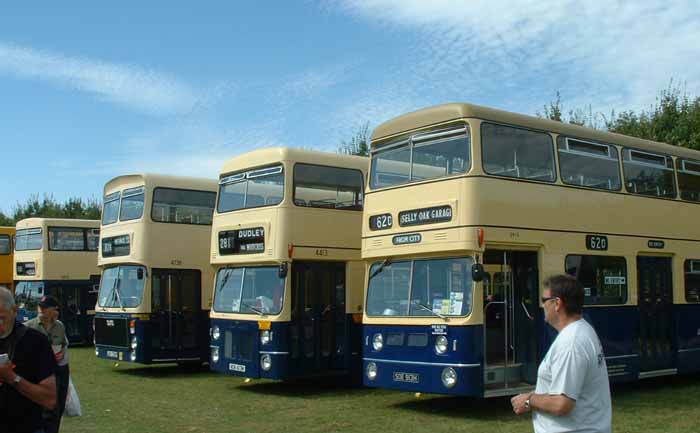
(111, 332)
(239, 345)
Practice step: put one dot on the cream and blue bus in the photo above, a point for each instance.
(289, 278)
(468, 209)
(155, 292)
(58, 257)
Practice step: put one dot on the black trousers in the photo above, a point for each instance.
(53, 421)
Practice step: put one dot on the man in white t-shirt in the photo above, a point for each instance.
(573, 391)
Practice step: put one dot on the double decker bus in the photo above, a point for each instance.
(155, 291)
(286, 248)
(468, 209)
(6, 261)
(58, 257)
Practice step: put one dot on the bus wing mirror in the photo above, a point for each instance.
(282, 270)
(139, 274)
(477, 272)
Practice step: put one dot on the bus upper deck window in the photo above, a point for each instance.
(424, 155)
(689, 179)
(588, 164)
(516, 152)
(110, 209)
(132, 204)
(648, 173)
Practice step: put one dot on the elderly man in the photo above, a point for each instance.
(573, 391)
(48, 324)
(28, 382)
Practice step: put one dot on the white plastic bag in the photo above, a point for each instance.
(72, 401)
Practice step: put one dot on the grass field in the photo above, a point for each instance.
(137, 399)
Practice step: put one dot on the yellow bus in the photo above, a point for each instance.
(289, 278)
(155, 292)
(6, 264)
(468, 209)
(58, 257)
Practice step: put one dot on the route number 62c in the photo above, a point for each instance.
(594, 242)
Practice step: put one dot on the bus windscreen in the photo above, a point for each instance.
(122, 286)
(421, 288)
(250, 290)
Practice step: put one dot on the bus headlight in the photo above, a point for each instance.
(371, 370)
(377, 342)
(215, 333)
(133, 356)
(266, 362)
(449, 377)
(214, 354)
(134, 343)
(265, 337)
(97, 352)
(441, 344)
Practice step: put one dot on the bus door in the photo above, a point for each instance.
(71, 315)
(176, 301)
(318, 296)
(655, 284)
(510, 312)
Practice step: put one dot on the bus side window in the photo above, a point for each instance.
(692, 280)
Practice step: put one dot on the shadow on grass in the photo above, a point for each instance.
(497, 408)
(304, 388)
(678, 391)
(165, 371)
(676, 388)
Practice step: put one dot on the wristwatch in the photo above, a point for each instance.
(527, 403)
(16, 380)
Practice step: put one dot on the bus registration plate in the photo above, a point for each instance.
(237, 367)
(406, 377)
(112, 354)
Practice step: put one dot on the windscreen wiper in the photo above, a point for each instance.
(426, 308)
(253, 308)
(226, 277)
(115, 290)
(381, 267)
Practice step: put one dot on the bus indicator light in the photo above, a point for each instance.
(264, 325)
(480, 234)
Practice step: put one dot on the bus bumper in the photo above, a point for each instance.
(416, 366)
(238, 350)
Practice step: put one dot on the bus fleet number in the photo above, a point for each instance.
(597, 242)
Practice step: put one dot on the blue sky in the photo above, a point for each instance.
(88, 92)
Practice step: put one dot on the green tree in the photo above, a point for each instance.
(553, 110)
(358, 144)
(580, 116)
(48, 207)
(6, 221)
(674, 119)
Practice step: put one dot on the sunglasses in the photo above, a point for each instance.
(545, 300)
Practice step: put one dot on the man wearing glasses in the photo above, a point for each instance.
(573, 391)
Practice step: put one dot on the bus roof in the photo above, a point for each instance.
(62, 222)
(149, 179)
(257, 158)
(445, 113)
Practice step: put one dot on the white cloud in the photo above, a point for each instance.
(131, 86)
(611, 54)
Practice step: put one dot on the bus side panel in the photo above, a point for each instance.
(421, 367)
(687, 317)
(618, 331)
